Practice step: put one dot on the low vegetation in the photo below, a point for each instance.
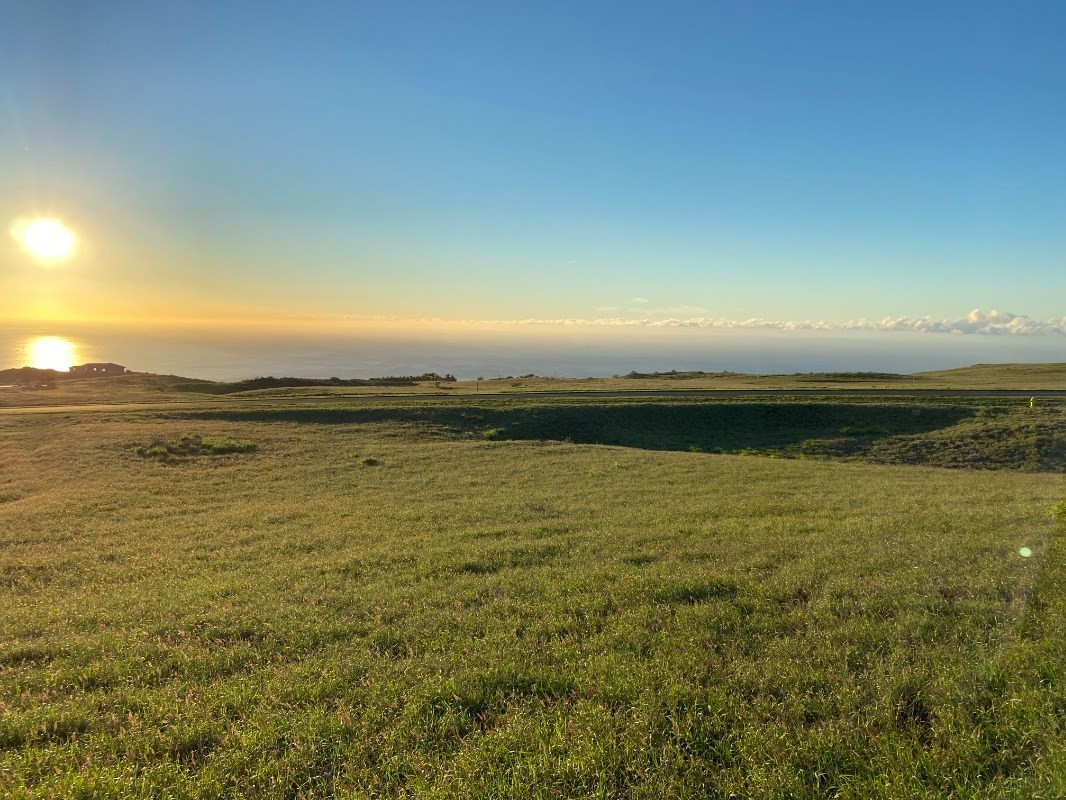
(189, 445)
(255, 384)
(28, 387)
(514, 615)
(799, 377)
(1022, 376)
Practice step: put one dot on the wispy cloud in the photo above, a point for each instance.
(640, 300)
(688, 310)
(993, 323)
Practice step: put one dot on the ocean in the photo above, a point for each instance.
(230, 352)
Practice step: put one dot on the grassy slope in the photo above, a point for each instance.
(981, 376)
(132, 388)
(116, 389)
(520, 618)
(1022, 376)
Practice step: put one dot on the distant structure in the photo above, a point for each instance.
(98, 370)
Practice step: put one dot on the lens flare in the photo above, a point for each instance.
(45, 239)
(51, 352)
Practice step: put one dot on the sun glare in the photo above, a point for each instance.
(51, 352)
(46, 239)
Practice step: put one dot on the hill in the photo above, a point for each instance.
(33, 387)
(1021, 376)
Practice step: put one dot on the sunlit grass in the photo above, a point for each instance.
(143, 387)
(389, 609)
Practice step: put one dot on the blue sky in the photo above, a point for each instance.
(499, 160)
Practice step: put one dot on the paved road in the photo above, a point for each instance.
(335, 400)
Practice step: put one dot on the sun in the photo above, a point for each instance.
(51, 352)
(46, 239)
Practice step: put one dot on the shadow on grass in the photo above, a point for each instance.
(706, 427)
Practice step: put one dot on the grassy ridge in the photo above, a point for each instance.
(46, 389)
(981, 376)
(366, 608)
(256, 385)
(1026, 376)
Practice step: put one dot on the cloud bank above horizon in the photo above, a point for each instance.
(993, 323)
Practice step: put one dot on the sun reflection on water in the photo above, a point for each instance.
(51, 352)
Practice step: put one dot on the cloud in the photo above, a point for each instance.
(676, 310)
(640, 300)
(992, 323)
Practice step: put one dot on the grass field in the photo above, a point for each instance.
(421, 600)
(152, 388)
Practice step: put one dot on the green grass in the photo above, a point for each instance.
(1023, 376)
(190, 445)
(145, 387)
(525, 617)
(978, 376)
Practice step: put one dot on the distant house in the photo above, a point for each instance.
(98, 370)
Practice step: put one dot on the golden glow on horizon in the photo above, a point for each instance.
(46, 240)
(51, 352)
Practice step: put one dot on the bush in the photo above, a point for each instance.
(189, 445)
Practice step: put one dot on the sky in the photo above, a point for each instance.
(617, 163)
